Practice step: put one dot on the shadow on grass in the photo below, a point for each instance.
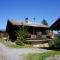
(51, 48)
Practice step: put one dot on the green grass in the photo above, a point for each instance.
(41, 56)
(16, 46)
(13, 45)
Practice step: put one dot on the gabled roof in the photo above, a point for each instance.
(55, 25)
(27, 23)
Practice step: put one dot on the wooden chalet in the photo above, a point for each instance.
(36, 32)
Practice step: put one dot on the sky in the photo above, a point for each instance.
(20, 9)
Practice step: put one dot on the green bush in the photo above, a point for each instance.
(55, 42)
(51, 43)
(19, 43)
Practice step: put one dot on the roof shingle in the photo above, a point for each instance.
(29, 23)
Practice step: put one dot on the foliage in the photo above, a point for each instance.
(19, 42)
(21, 36)
(55, 42)
(42, 56)
(51, 43)
(44, 22)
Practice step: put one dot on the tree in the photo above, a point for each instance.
(44, 22)
(57, 40)
(21, 36)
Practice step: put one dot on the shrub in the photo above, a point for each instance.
(51, 43)
(18, 42)
(55, 42)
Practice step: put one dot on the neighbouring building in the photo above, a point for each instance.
(4, 35)
(56, 25)
(36, 32)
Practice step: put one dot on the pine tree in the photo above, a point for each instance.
(21, 36)
(44, 22)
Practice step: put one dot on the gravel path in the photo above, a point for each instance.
(17, 53)
(6, 54)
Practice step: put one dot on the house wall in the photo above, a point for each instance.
(10, 30)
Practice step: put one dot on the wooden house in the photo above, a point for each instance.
(36, 32)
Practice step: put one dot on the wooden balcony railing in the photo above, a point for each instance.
(38, 37)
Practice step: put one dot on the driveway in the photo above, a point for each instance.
(17, 53)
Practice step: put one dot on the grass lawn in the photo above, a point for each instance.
(13, 44)
(41, 56)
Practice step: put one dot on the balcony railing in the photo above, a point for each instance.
(38, 37)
